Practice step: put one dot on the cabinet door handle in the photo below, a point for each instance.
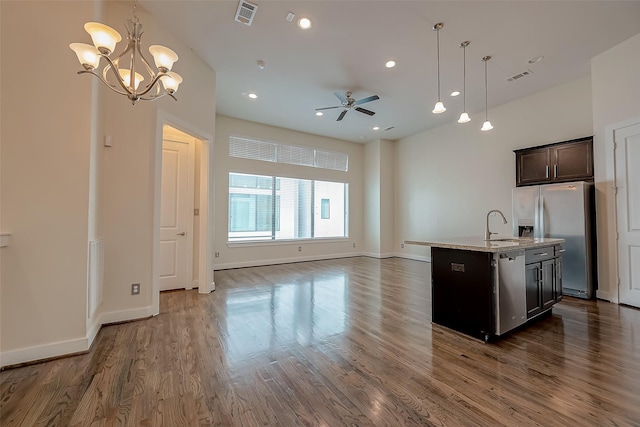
(555, 170)
(547, 172)
(562, 250)
(542, 254)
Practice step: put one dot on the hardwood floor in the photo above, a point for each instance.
(333, 343)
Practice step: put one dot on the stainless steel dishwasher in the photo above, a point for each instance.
(511, 304)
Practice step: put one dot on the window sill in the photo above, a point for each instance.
(255, 243)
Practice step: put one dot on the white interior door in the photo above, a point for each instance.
(627, 173)
(175, 216)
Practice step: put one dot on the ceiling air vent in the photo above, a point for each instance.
(520, 75)
(389, 128)
(246, 11)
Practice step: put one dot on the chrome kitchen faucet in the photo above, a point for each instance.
(487, 233)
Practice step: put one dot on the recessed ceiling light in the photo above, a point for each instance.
(376, 127)
(304, 23)
(319, 113)
(536, 59)
(390, 64)
(455, 93)
(252, 95)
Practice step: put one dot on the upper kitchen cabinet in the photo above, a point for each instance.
(560, 162)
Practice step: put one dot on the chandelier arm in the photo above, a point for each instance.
(152, 84)
(114, 67)
(109, 85)
(146, 64)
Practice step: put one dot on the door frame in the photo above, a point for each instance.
(206, 282)
(612, 294)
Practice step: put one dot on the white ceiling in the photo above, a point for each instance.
(350, 41)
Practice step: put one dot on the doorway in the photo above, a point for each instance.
(199, 224)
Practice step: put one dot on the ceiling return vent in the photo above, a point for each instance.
(246, 12)
(520, 75)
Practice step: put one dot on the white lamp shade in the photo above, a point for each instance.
(464, 118)
(103, 36)
(171, 81)
(439, 108)
(126, 77)
(163, 56)
(88, 55)
(486, 126)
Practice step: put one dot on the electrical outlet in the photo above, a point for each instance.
(299, 248)
(402, 245)
(217, 254)
(135, 289)
(354, 245)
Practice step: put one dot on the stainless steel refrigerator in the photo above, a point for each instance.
(563, 211)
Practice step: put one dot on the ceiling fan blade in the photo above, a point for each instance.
(341, 96)
(328, 108)
(341, 116)
(367, 99)
(365, 111)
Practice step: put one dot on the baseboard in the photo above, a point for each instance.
(413, 257)
(43, 352)
(605, 295)
(378, 256)
(258, 263)
(126, 315)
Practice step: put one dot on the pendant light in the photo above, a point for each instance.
(487, 124)
(439, 108)
(464, 117)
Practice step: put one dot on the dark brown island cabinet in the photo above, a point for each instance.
(552, 163)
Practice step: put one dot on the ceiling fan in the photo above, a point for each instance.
(347, 102)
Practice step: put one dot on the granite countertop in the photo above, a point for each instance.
(478, 244)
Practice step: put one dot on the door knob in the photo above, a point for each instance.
(181, 234)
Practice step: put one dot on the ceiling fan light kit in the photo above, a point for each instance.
(126, 81)
(439, 107)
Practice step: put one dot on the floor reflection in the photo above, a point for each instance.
(299, 312)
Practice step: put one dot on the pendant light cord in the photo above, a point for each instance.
(486, 103)
(438, 58)
(464, 77)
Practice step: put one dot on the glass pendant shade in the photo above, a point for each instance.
(103, 36)
(464, 118)
(439, 108)
(126, 77)
(163, 56)
(171, 81)
(87, 55)
(486, 126)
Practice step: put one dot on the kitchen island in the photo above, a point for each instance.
(485, 288)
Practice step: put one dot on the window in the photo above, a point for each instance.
(278, 208)
(266, 151)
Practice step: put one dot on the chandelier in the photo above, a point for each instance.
(121, 74)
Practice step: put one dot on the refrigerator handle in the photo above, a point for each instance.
(540, 212)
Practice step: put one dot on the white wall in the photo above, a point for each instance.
(449, 177)
(379, 198)
(130, 168)
(239, 254)
(61, 188)
(46, 137)
(616, 98)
